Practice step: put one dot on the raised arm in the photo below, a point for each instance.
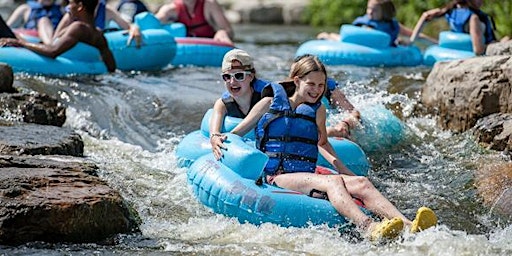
(407, 32)
(426, 16)
(134, 30)
(167, 13)
(215, 15)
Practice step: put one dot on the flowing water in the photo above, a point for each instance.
(131, 124)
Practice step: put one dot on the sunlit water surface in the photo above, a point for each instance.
(131, 124)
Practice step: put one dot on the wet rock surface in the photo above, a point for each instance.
(34, 139)
(48, 191)
(463, 91)
(32, 108)
(58, 199)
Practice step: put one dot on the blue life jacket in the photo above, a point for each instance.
(38, 11)
(289, 137)
(459, 17)
(139, 6)
(392, 28)
(232, 107)
(101, 15)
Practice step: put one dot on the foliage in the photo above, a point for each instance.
(337, 12)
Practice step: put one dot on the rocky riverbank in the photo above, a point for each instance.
(48, 191)
(475, 95)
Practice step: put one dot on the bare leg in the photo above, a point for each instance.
(45, 30)
(374, 201)
(335, 188)
(343, 202)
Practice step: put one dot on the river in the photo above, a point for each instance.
(131, 124)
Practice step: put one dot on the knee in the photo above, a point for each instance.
(336, 181)
(363, 183)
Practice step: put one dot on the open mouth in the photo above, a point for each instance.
(235, 89)
(313, 95)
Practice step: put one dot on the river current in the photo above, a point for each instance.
(131, 124)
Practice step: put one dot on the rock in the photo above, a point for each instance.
(500, 48)
(33, 139)
(494, 186)
(503, 205)
(32, 108)
(495, 131)
(6, 79)
(462, 91)
(267, 11)
(56, 199)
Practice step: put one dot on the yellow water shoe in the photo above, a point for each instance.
(425, 218)
(387, 229)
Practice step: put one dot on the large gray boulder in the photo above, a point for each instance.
(461, 92)
(58, 199)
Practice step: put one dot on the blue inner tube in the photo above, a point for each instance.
(363, 47)
(452, 46)
(157, 50)
(380, 129)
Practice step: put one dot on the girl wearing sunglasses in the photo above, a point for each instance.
(243, 92)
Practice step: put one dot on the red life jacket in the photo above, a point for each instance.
(197, 26)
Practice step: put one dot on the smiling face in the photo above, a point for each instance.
(238, 81)
(310, 87)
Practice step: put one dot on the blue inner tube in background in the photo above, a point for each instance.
(362, 47)
(452, 46)
(157, 50)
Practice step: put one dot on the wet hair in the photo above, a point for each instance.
(305, 64)
(90, 5)
(301, 67)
